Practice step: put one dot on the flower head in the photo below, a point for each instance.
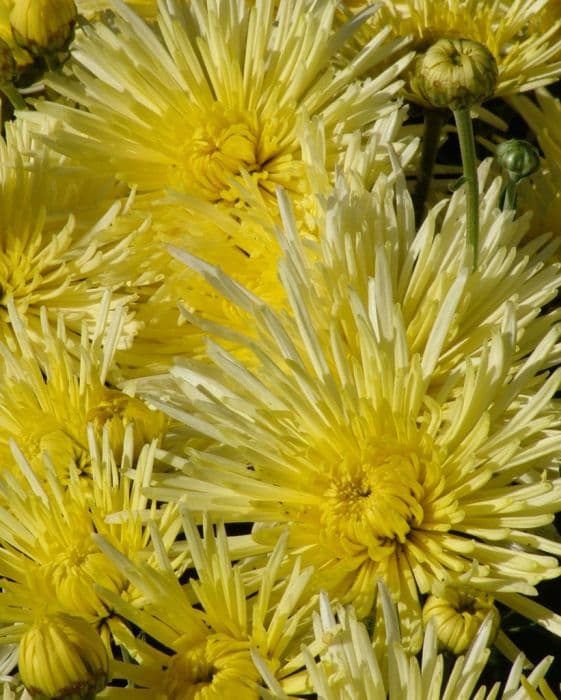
(219, 97)
(48, 396)
(344, 436)
(48, 562)
(43, 26)
(48, 256)
(348, 666)
(210, 625)
(455, 73)
(458, 615)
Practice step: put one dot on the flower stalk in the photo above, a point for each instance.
(432, 129)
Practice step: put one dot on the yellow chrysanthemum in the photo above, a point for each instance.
(527, 56)
(348, 668)
(48, 561)
(214, 106)
(47, 398)
(246, 249)
(379, 433)
(210, 626)
(58, 244)
(222, 94)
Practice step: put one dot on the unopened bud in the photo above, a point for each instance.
(455, 73)
(62, 656)
(458, 616)
(519, 158)
(43, 26)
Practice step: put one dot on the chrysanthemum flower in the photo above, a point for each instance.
(527, 57)
(50, 257)
(48, 562)
(385, 439)
(196, 640)
(48, 398)
(245, 248)
(220, 93)
(348, 668)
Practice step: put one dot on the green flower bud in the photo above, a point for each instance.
(62, 656)
(519, 158)
(455, 73)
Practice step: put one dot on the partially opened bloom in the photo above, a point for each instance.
(381, 450)
(196, 639)
(348, 667)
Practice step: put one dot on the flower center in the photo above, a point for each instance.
(220, 144)
(218, 147)
(371, 506)
(211, 669)
(72, 570)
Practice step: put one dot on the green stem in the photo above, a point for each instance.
(16, 100)
(469, 164)
(434, 121)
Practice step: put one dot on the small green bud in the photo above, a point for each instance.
(519, 158)
(455, 73)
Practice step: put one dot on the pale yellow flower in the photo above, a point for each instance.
(48, 397)
(62, 239)
(373, 426)
(196, 640)
(48, 561)
(220, 93)
(214, 105)
(348, 667)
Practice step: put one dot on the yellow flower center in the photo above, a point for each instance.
(371, 506)
(16, 276)
(72, 569)
(220, 144)
(63, 449)
(211, 669)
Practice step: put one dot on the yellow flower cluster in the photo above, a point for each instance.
(279, 408)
